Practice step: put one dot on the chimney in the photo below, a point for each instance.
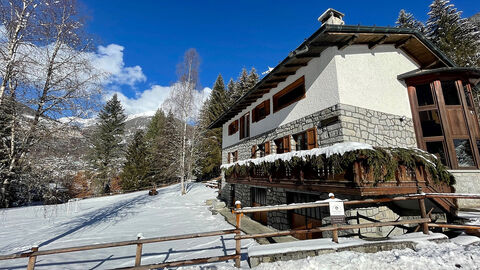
(331, 16)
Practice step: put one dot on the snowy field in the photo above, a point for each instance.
(116, 218)
(122, 217)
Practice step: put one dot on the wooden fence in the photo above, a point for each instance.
(424, 223)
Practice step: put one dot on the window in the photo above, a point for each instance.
(431, 125)
(292, 93)
(233, 156)
(283, 145)
(437, 148)
(468, 95)
(306, 140)
(464, 153)
(450, 93)
(446, 123)
(245, 126)
(261, 111)
(424, 95)
(261, 150)
(233, 127)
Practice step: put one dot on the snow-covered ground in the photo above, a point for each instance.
(428, 255)
(116, 218)
(122, 217)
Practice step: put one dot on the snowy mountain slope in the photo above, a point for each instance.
(116, 218)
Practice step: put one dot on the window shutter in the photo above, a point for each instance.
(236, 155)
(267, 107)
(228, 157)
(254, 115)
(254, 152)
(311, 138)
(267, 148)
(286, 144)
(242, 127)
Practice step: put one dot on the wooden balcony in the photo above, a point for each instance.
(355, 179)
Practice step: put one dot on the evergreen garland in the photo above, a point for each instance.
(383, 162)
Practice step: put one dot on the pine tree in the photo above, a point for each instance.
(406, 20)
(454, 35)
(155, 127)
(208, 150)
(107, 146)
(231, 92)
(217, 102)
(136, 168)
(252, 78)
(171, 145)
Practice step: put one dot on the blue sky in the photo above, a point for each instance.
(228, 35)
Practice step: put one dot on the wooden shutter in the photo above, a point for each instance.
(311, 138)
(229, 157)
(267, 148)
(254, 115)
(286, 144)
(236, 155)
(254, 152)
(267, 107)
(242, 127)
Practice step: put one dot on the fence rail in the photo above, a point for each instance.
(424, 223)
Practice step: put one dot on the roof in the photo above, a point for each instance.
(470, 72)
(412, 42)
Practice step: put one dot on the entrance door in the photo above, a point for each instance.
(307, 218)
(259, 198)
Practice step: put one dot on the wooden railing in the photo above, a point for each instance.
(424, 223)
(34, 253)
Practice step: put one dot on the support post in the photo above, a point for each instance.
(335, 234)
(138, 255)
(423, 211)
(32, 259)
(238, 246)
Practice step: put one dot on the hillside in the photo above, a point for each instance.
(116, 218)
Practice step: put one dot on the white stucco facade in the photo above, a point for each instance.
(355, 76)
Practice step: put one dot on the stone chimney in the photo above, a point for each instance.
(331, 16)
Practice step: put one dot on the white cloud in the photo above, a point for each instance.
(110, 59)
(148, 101)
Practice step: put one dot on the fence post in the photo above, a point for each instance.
(238, 245)
(32, 259)
(138, 255)
(423, 211)
(335, 234)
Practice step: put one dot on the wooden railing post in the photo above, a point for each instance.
(423, 211)
(335, 234)
(138, 255)
(238, 246)
(32, 259)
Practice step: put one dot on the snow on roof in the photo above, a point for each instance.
(338, 148)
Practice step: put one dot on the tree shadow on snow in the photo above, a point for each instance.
(112, 258)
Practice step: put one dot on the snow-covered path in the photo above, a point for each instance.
(116, 218)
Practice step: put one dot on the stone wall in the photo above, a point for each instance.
(347, 123)
(467, 181)
(277, 219)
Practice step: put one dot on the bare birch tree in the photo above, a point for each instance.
(59, 79)
(182, 102)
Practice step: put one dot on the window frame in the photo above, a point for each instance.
(256, 117)
(450, 132)
(299, 82)
(233, 128)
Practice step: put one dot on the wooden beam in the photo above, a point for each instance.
(348, 42)
(296, 65)
(380, 41)
(281, 74)
(323, 44)
(403, 42)
(431, 64)
(275, 80)
(307, 55)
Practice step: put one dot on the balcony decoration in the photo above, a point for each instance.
(382, 162)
